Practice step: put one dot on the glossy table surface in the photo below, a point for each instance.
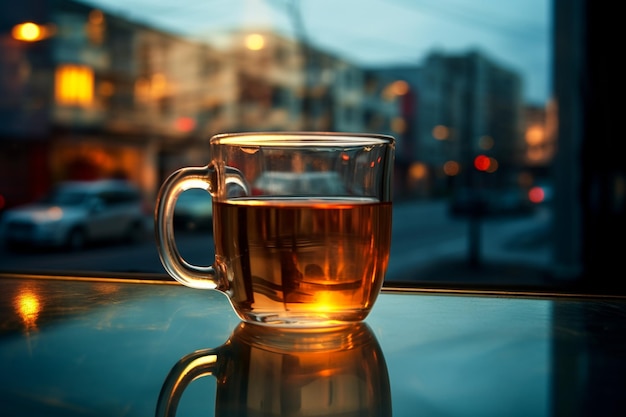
(81, 347)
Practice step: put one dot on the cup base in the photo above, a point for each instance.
(305, 320)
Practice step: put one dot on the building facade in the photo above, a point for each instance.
(470, 107)
(96, 95)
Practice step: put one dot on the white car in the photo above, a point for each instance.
(306, 183)
(194, 210)
(77, 213)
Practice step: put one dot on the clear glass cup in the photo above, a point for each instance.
(301, 224)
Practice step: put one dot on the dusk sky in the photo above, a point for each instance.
(513, 33)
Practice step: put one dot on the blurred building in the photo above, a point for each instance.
(456, 108)
(391, 105)
(86, 94)
(470, 107)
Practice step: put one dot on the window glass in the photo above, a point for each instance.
(130, 90)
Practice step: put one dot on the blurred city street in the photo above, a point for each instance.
(512, 250)
(428, 245)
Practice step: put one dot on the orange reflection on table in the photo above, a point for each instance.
(288, 372)
(28, 306)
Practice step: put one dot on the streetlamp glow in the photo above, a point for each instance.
(30, 32)
(255, 42)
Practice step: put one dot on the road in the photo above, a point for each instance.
(422, 233)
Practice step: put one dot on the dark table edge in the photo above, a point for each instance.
(397, 287)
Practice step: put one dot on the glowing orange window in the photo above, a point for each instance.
(74, 85)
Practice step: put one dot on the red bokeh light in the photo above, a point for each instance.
(482, 162)
(536, 195)
(185, 124)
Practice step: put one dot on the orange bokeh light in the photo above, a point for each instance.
(185, 124)
(451, 168)
(255, 42)
(74, 85)
(441, 132)
(535, 135)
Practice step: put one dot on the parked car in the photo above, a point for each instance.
(305, 183)
(194, 210)
(77, 213)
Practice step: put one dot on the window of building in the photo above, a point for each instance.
(74, 85)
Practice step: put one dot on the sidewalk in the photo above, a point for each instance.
(521, 257)
(458, 271)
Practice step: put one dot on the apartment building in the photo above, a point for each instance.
(97, 95)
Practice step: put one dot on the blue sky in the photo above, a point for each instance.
(514, 33)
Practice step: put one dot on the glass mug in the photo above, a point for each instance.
(301, 224)
(264, 371)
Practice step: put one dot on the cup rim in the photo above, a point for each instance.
(304, 138)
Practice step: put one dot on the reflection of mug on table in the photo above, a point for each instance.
(263, 371)
(302, 224)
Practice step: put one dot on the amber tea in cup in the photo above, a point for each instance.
(301, 224)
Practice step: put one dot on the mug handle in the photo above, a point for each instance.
(194, 276)
(195, 365)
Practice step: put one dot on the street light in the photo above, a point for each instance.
(255, 42)
(31, 32)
